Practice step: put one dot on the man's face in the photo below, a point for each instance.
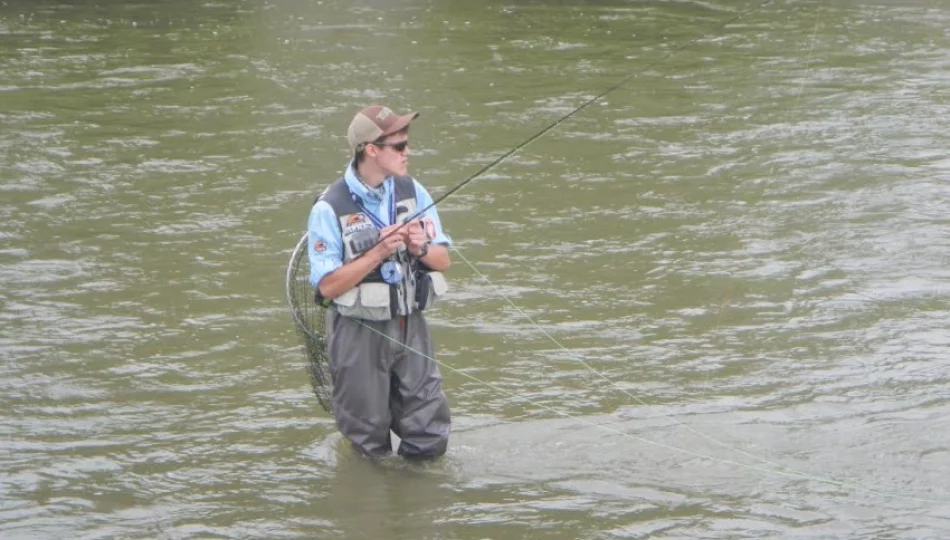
(392, 154)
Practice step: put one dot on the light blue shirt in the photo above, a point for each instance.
(325, 240)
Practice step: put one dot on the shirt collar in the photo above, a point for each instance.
(368, 194)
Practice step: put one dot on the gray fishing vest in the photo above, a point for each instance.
(373, 299)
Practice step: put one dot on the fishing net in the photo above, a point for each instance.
(309, 320)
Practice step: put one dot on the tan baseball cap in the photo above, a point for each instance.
(374, 122)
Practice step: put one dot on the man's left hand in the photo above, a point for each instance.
(417, 237)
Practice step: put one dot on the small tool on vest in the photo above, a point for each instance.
(391, 272)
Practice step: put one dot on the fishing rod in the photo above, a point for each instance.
(766, 465)
(307, 319)
(573, 112)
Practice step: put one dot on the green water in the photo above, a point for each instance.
(709, 305)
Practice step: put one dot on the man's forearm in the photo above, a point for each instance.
(437, 258)
(348, 276)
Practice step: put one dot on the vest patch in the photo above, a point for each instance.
(357, 227)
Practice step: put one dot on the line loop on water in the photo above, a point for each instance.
(775, 468)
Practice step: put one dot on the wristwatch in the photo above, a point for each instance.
(425, 250)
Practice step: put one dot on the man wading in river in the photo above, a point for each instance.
(377, 275)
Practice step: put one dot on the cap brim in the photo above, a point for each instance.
(401, 123)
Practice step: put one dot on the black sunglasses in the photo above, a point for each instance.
(399, 146)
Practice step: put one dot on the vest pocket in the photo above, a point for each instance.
(429, 286)
(348, 298)
(368, 301)
(373, 303)
(374, 295)
(439, 285)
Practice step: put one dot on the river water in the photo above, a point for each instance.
(712, 304)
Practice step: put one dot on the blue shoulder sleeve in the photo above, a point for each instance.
(431, 217)
(325, 243)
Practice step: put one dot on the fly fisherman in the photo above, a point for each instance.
(377, 274)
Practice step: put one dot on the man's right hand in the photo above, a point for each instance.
(391, 238)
